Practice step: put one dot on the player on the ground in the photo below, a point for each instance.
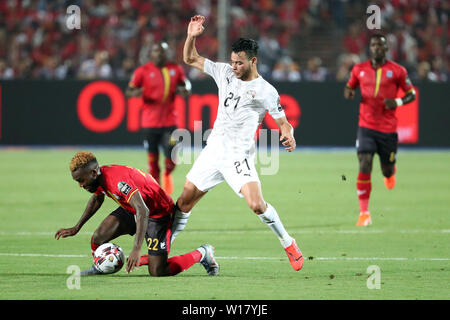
(244, 99)
(158, 82)
(145, 210)
(379, 80)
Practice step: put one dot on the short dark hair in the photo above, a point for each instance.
(249, 46)
(378, 36)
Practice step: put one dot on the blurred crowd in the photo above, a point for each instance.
(116, 36)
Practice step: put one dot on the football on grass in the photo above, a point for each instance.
(109, 258)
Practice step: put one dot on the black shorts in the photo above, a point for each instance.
(158, 232)
(156, 137)
(372, 141)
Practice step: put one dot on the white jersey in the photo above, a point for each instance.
(242, 107)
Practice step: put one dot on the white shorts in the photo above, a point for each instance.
(213, 167)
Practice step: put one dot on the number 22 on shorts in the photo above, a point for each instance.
(152, 244)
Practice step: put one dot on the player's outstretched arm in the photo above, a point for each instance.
(349, 93)
(190, 54)
(133, 92)
(287, 134)
(94, 203)
(142, 212)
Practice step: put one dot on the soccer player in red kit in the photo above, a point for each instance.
(144, 209)
(158, 82)
(379, 80)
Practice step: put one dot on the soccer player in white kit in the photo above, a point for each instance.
(244, 99)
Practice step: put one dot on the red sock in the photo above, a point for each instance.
(143, 260)
(363, 188)
(93, 245)
(153, 165)
(170, 166)
(178, 264)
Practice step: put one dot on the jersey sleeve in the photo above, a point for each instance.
(217, 70)
(136, 79)
(272, 104)
(353, 82)
(404, 81)
(126, 189)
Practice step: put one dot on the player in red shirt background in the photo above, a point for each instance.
(379, 80)
(158, 82)
(144, 209)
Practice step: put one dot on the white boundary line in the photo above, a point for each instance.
(241, 258)
(294, 231)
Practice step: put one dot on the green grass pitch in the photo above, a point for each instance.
(314, 194)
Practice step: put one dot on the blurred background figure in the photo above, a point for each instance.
(286, 70)
(314, 70)
(158, 82)
(98, 67)
(34, 36)
(5, 71)
(345, 65)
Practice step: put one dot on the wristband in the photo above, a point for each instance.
(399, 102)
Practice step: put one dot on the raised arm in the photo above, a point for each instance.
(190, 54)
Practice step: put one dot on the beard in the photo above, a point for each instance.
(244, 75)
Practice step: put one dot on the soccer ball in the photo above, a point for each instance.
(109, 258)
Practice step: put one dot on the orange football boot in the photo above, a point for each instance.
(390, 182)
(295, 255)
(364, 219)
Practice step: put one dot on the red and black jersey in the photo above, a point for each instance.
(159, 91)
(377, 85)
(120, 183)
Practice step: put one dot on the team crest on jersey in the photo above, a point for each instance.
(124, 187)
(361, 74)
(172, 73)
(389, 74)
(251, 94)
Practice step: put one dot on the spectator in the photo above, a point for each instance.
(345, 65)
(286, 70)
(5, 71)
(423, 72)
(314, 70)
(96, 68)
(438, 72)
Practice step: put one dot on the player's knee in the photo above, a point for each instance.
(257, 207)
(98, 237)
(365, 166)
(157, 271)
(184, 206)
(187, 199)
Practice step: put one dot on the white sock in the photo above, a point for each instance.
(179, 222)
(271, 218)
